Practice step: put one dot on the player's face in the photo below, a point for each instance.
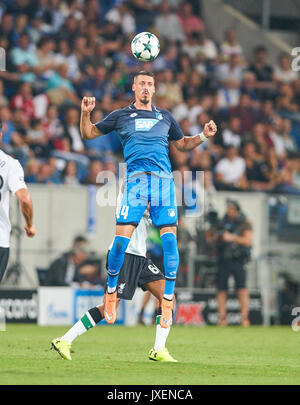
(143, 87)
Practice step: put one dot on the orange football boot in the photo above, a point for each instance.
(166, 313)
(110, 307)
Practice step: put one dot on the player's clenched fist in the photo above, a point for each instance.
(88, 104)
(30, 231)
(210, 129)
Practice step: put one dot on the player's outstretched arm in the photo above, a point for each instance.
(190, 142)
(26, 208)
(87, 129)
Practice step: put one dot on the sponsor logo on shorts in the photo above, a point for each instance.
(121, 288)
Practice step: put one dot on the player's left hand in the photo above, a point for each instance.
(210, 129)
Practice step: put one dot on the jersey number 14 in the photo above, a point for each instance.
(124, 211)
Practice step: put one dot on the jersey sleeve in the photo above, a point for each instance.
(15, 179)
(109, 123)
(175, 132)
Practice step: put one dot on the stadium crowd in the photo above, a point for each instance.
(59, 51)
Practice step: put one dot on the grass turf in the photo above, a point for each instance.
(118, 355)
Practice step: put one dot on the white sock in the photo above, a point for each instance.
(85, 323)
(161, 336)
(111, 290)
(169, 297)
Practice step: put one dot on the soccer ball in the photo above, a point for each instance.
(145, 46)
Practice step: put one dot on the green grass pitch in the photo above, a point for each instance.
(118, 355)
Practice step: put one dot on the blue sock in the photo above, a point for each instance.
(171, 261)
(115, 259)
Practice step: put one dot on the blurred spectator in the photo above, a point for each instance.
(3, 99)
(36, 139)
(32, 170)
(69, 174)
(283, 72)
(207, 47)
(230, 46)
(52, 125)
(231, 135)
(6, 28)
(263, 72)
(286, 177)
(60, 89)
(170, 90)
(97, 85)
(230, 171)
(246, 113)
(72, 267)
(9, 134)
(122, 16)
(44, 53)
(190, 22)
(257, 172)
(286, 102)
(145, 11)
(65, 56)
(95, 168)
(232, 70)
(23, 100)
(248, 85)
(167, 24)
(72, 131)
(229, 94)
(24, 59)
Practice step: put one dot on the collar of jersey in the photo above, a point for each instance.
(154, 108)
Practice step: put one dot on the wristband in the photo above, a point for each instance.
(203, 137)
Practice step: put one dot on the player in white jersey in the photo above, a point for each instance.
(137, 270)
(12, 182)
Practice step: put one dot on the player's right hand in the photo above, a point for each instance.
(88, 104)
(30, 231)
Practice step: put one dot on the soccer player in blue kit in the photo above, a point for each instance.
(145, 132)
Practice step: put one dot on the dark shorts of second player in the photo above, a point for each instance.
(136, 272)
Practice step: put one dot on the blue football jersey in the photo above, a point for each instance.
(145, 137)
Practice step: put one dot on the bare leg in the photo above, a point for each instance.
(243, 297)
(146, 299)
(125, 230)
(156, 288)
(221, 299)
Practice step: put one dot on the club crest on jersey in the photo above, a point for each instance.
(159, 116)
(171, 212)
(144, 124)
(133, 115)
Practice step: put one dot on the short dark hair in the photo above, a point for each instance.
(259, 49)
(143, 73)
(79, 239)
